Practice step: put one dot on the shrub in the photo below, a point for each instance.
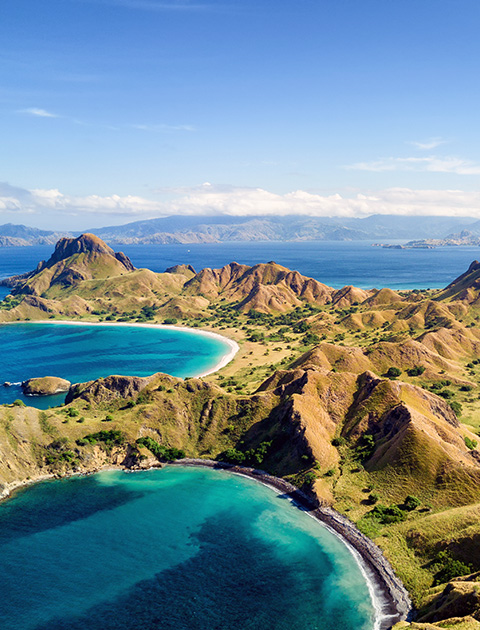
(446, 393)
(373, 497)
(466, 388)
(18, 403)
(393, 372)
(108, 418)
(161, 452)
(311, 339)
(130, 404)
(170, 321)
(469, 443)
(456, 407)
(338, 441)
(448, 568)
(365, 447)
(387, 515)
(411, 502)
(234, 456)
(310, 478)
(109, 438)
(418, 370)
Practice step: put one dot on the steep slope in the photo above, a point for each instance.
(264, 287)
(73, 261)
(465, 288)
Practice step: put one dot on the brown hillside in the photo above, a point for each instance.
(262, 287)
(73, 261)
(465, 288)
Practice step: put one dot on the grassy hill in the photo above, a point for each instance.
(368, 400)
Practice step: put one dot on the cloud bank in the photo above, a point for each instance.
(17, 203)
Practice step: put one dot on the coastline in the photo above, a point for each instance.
(389, 597)
(224, 360)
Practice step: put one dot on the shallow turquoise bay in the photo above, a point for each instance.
(177, 548)
(81, 353)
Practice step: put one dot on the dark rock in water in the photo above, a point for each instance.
(45, 386)
(7, 384)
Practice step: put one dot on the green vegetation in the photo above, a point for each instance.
(469, 443)
(393, 372)
(162, 453)
(446, 568)
(108, 439)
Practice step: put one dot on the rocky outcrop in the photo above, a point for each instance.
(73, 261)
(110, 388)
(45, 386)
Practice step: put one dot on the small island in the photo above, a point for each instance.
(45, 386)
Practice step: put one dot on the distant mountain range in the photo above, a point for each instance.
(21, 236)
(211, 229)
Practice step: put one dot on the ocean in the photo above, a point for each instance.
(81, 353)
(336, 263)
(176, 549)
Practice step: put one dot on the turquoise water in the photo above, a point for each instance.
(84, 352)
(172, 549)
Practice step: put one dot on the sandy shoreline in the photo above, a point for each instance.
(225, 359)
(389, 597)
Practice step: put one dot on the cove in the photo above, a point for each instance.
(82, 352)
(177, 548)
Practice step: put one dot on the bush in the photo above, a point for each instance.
(446, 393)
(418, 370)
(447, 568)
(338, 441)
(311, 339)
(456, 407)
(411, 502)
(72, 412)
(108, 418)
(466, 388)
(109, 438)
(469, 443)
(387, 515)
(393, 372)
(18, 403)
(170, 321)
(373, 497)
(310, 478)
(365, 447)
(234, 456)
(161, 452)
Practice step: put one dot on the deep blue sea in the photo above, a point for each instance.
(172, 549)
(336, 263)
(84, 352)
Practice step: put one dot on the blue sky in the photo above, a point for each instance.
(116, 110)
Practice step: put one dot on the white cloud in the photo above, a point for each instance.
(428, 145)
(431, 164)
(36, 111)
(209, 199)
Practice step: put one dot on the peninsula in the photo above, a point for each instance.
(367, 401)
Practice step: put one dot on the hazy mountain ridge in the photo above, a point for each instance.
(183, 229)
